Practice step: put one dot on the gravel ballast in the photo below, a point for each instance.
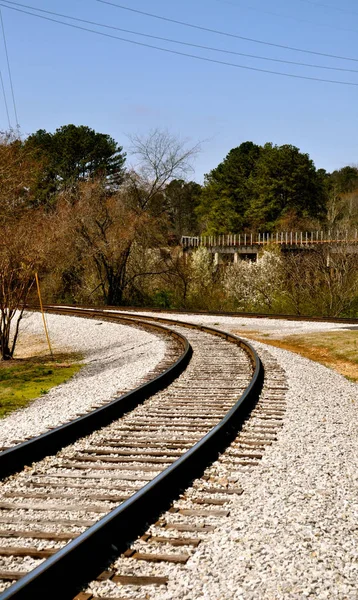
(116, 358)
(293, 533)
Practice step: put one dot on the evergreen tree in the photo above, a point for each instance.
(227, 191)
(286, 181)
(73, 154)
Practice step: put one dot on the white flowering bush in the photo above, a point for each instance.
(255, 285)
(202, 270)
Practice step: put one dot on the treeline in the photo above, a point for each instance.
(100, 231)
(255, 188)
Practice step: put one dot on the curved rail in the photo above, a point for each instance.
(245, 315)
(16, 458)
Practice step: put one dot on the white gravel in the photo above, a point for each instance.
(293, 533)
(261, 325)
(117, 357)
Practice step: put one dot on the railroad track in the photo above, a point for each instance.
(64, 518)
(18, 453)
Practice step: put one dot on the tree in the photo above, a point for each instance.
(323, 281)
(285, 180)
(342, 199)
(259, 187)
(18, 173)
(227, 191)
(181, 200)
(21, 254)
(161, 158)
(112, 229)
(21, 238)
(75, 154)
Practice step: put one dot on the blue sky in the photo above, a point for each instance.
(63, 75)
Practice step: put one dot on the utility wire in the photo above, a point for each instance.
(9, 70)
(173, 41)
(5, 100)
(225, 33)
(177, 53)
(337, 8)
(281, 15)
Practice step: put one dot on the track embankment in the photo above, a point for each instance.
(64, 512)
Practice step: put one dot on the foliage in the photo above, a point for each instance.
(24, 239)
(74, 154)
(227, 191)
(323, 281)
(161, 158)
(19, 169)
(342, 205)
(285, 180)
(257, 186)
(181, 199)
(255, 286)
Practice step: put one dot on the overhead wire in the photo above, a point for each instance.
(281, 15)
(224, 33)
(9, 69)
(330, 7)
(5, 99)
(181, 42)
(178, 53)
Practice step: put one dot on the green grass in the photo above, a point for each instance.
(23, 380)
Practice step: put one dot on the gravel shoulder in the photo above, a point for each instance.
(117, 357)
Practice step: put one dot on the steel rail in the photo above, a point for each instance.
(248, 315)
(62, 575)
(16, 458)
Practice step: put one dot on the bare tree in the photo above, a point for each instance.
(22, 252)
(161, 157)
(323, 281)
(21, 235)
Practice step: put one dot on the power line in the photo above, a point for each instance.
(9, 70)
(337, 8)
(5, 100)
(174, 41)
(225, 33)
(281, 15)
(177, 53)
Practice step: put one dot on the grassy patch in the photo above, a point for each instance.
(335, 349)
(22, 380)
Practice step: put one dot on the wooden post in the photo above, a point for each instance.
(43, 314)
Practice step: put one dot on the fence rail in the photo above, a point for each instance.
(287, 238)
